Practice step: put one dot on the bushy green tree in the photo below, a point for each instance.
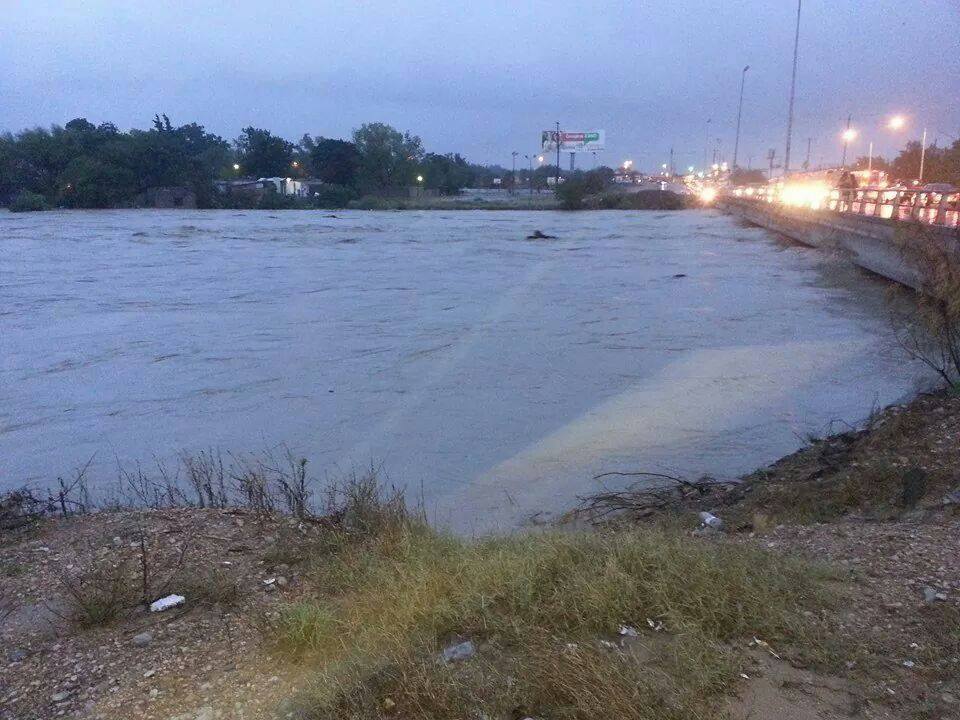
(87, 165)
(332, 161)
(263, 154)
(578, 186)
(447, 173)
(96, 183)
(387, 157)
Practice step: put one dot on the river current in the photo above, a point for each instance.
(495, 375)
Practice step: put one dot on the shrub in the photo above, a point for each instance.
(334, 196)
(276, 201)
(98, 593)
(27, 201)
(571, 194)
(647, 200)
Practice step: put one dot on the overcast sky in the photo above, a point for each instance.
(484, 78)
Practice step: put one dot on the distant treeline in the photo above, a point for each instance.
(83, 165)
(940, 164)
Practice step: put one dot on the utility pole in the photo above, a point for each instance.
(806, 163)
(770, 155)
(513, 177)
(557, 178)
(573, 166)
(923, 153)
(736, 142)
(671, 160)
(793, 89)
(530, 158)
(706, 146)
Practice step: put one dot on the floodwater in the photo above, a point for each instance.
(494, 375)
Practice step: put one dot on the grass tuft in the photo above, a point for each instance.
(383, 608)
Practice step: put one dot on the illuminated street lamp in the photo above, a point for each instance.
(848, 136)
(419, 178)
(690, 169)
(540, 158)
(295, 164)
(236, 166)
(898, 122)
(627, 164)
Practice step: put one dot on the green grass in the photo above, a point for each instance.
(383, 607)
(12, 570)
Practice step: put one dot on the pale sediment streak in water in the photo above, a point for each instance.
(497, 374)
(692, 399)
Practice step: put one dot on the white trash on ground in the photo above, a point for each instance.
(165, 603)
(711, 521)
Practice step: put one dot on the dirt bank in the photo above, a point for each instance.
(834, 591)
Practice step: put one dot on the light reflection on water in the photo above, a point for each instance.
(497, 374)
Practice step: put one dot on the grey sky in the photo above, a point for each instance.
(484, 78)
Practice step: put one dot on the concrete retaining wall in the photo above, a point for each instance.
(875, 244)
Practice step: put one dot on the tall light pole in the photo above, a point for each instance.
(793, 91)
(848, 135)
(557, 178)
(530, 179)
(706, 145)
(923, 153)
(736, 142)
(513, 177)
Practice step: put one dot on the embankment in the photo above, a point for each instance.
(365, 612)
(879, 245)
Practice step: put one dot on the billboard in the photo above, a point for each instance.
(591, 141)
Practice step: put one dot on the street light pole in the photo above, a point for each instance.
(736, 142)
(706, 145)
(923, 153)
(513, 176)
(793, 90)
(530, 179)
(557, 178)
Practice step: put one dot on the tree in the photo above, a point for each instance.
(447, 173)
(333, 161)
(263, 154)
(864, 162)
(96, 183)
(387, 157)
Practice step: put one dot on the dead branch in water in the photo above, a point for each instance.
(640, 502)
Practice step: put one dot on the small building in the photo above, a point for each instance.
(254, 189)
(288, 186)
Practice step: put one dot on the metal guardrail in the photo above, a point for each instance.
(930, 207)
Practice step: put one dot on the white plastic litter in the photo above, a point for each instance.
(710, 520)
(165, 603)
(628, 631)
